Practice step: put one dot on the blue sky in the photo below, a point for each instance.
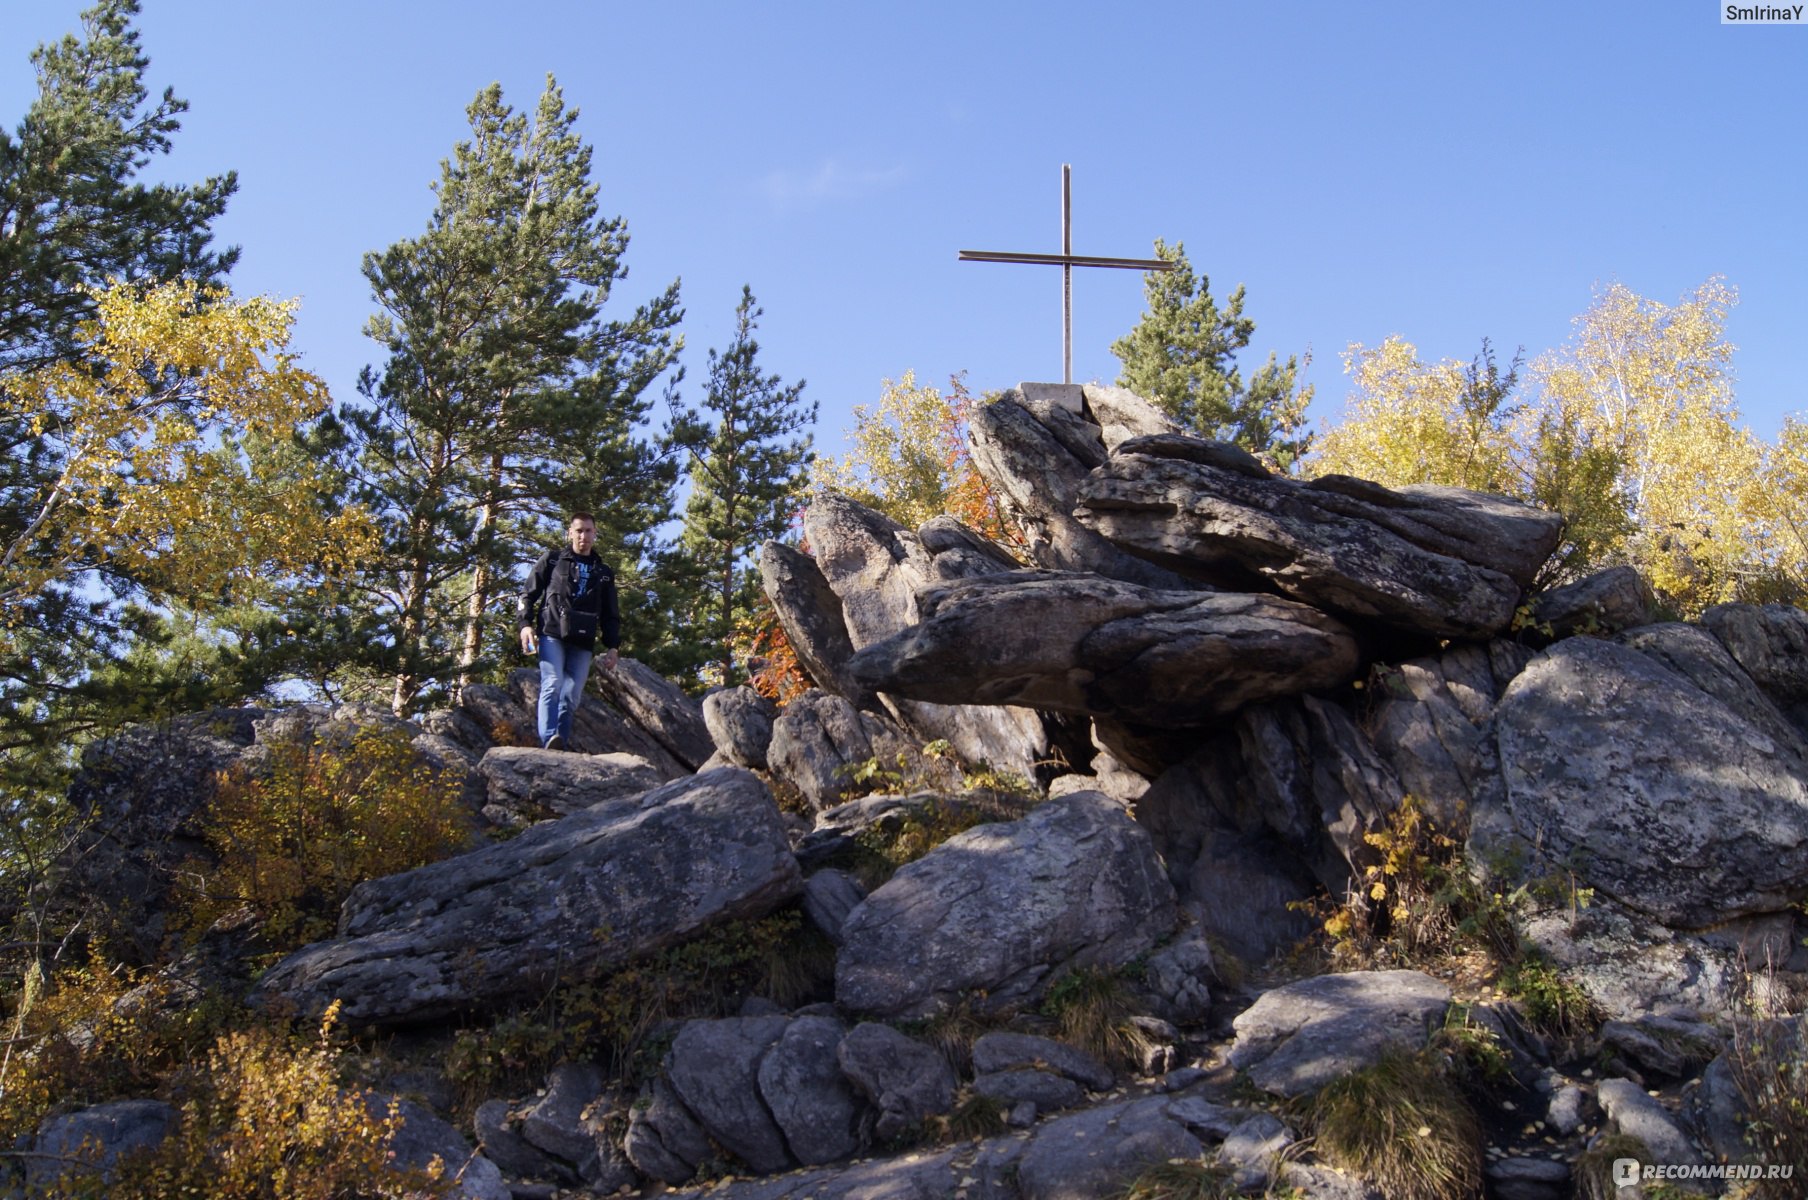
(1441, 171)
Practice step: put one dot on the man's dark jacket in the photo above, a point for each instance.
(553, 606)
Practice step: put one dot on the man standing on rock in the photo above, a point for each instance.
(570, 601)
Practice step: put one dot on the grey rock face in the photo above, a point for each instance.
(810, 613)
(876, 567)
(144, 791)
(1047, 1091)
(1717, 1113)
(664, 1140)
(555, 1122)
(1431, 724)
(1435, 561)
(905, 1080)
(1771, 642)
(820, 738)
(740, 723)
(1093, 646)
(1649, 788)
(811, 1100)
(1297, 1038)
(714, 1068)
(1004, 908)
(540, 783)
(1099, 1151)
(1605, 602)
(1034, 447)
(656, 705)
(502, 1144)
(1177, 980)
(1121, 415)
(103, 1133)
(984, 1172)
(1005, 1051)
(829, 896)
(1639, 1115)
(502, 920)
(596, 727)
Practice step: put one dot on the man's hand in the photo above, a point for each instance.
(529, 643)
(610, 659)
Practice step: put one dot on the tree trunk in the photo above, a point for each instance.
(481, 577)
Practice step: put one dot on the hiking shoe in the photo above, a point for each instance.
(555, 742)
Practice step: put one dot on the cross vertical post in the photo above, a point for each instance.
(1067, 260)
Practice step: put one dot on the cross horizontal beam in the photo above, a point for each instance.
(1067, 260)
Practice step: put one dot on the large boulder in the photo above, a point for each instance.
(1004, 909)
(740, 724)
(92, 1141)
(567, 898)
(656, 705)
(810, 613)
(142, 796)
(1651, 789)
(1771, 642)
(906, 1081)
(820, 739)
(714, 1067)
(876, 567)
(538, 783)
(1430, 561)
(1297, 1038)
(1093, 646)
(1034, 446)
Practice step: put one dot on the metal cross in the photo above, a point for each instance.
(1067, 260)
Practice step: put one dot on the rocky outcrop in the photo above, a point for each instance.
(1771, 643)
(876, 567)
(1004, 909)
(1437, 562)
(1651, 789)
(1034, 446)
(498, 922)
(1092, 646)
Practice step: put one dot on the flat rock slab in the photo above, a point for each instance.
(525, 780)
(1436, 561)
(1651, 789)
(1296, 1039)
(1092, 646)
(565, 899)
(1004, 908)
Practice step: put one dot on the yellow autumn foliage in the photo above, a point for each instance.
(170, 435)
(1630, 430)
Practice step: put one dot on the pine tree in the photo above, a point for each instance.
(507, 399)
(1182, 356)
(748, 470)
(74, 216)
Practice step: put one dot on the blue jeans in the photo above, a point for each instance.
(563, 670)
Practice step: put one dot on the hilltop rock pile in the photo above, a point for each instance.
(1218, 687)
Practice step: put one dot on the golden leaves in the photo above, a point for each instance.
(1630, 430)
(170, 435)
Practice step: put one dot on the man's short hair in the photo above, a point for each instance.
(581, 515)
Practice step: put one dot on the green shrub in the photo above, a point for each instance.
(1551, 1003)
